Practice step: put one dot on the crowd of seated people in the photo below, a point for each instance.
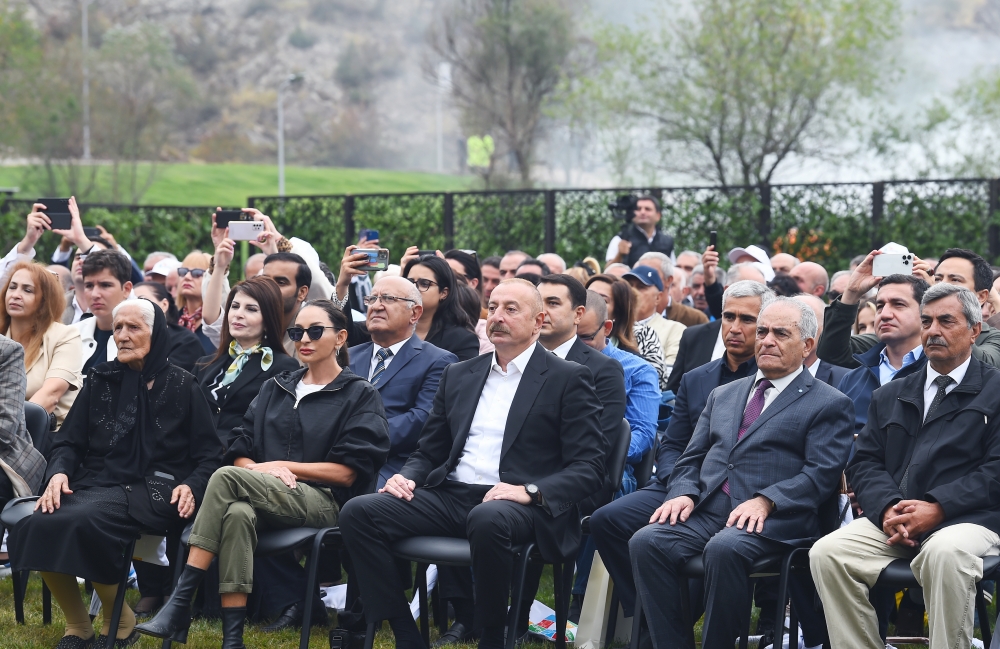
(481, 398)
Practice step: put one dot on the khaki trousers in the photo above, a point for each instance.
(947, 565)
(238, 503)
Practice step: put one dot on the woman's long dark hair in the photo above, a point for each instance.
(339, 321)
(449, 311)
(161, 293)
(471, 266)
(265, 290)
(623, 315)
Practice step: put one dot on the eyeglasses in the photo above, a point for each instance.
(195, 272)
(387, 300)
(423, 285)
(80, 256)
(588, 337)
(315, 332)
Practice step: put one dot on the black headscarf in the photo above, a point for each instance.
(133, 439)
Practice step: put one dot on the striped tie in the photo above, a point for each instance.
(381, 355)
(750, 415)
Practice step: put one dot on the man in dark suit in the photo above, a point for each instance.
(925, 473)
(697, 345)
(826, 372)
(766, 452)
(512, 444)
(403, 368)
(613, 525)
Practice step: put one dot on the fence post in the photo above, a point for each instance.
(764, 216)
(878, 210)
(448, 221)
(349, 234)
(550, 220)
(994, 213)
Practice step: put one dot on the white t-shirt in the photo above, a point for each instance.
(302, 389)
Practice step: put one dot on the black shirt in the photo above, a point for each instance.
(100, 354)
(743, 370)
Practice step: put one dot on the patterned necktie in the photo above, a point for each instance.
(381, 355)
(941, 382)
(750, 415)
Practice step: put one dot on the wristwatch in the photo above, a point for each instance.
(534, 494)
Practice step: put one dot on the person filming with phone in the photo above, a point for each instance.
(641, 235)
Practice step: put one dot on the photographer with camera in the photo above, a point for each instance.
(641, 232)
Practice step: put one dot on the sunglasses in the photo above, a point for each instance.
(195, 272)
(423, 285)
(315, 332)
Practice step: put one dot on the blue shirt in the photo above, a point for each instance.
(886, 372)
(642, 406)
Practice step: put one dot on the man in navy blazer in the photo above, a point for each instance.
(614, 524)
(767, 451)
(404, 369)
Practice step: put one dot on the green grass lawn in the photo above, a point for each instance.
(231, 184)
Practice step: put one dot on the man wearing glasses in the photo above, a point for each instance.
(404, 369)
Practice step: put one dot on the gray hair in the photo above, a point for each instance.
(971, 308)
(737, 269)
(617, 265)
(838, 275)
(145, 306)
(808, 325)
(663, 263)
(690, 253)
(749, 288)
(680, 276)
(596, 303)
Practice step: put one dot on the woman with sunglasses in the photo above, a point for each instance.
(312, 439)
(190, 275)
(443, 323)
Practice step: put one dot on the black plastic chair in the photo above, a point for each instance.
(644, 470)
(36, 420)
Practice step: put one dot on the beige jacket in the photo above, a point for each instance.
(669, 332)
(61, 357)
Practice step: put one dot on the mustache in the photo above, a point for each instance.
(937, 340)
(499, 327)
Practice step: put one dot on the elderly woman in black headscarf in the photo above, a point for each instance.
(134, 454)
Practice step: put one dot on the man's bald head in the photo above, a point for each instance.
(811, 278)
(400, 287)
(784, 262)
(391, 321)
(745, 271)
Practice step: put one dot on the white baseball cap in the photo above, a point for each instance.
(164, 266)
(763, 262)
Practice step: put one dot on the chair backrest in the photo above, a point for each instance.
(829, 514)
(619, 455)
(644, 470)
(37, 422)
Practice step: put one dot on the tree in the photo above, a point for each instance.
(735, 88)
(507, 59)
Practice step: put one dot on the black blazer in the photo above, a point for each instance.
(954, 457)
(830, 374)
(460, 341)
(234, 399)
(552, 439)
(609, 381)
(695, 350)
(185, 347)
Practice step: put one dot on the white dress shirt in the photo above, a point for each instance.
(930, 389)
(720, 347)
(480, 461)
(563, 349)
(814, 368)
(777, 387)
(374, 360)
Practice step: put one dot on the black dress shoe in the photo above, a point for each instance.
(75, 642)
(291, 618)
(458, 633)
(120, 643)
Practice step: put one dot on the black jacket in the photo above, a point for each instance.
(954, 457)
(234, 399)
(552, 439)
(185, 347)
(697, 344)
(342, 423)
(661, 242)
(460, 341)
(187, 449)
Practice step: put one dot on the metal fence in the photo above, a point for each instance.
(828, 223)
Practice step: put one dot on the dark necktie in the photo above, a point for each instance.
(750, 415)
(380, 355)
(942, 382)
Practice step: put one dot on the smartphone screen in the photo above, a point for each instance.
(223, 217)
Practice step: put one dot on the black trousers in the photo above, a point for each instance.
(370, 524)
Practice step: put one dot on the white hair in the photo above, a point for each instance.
(971, 308)
(748, 288)
(808, 325)
(145, 306)
(663, 263)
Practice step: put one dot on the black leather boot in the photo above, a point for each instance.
(172, 621)
(232, 627)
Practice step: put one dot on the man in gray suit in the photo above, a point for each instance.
(749, 483)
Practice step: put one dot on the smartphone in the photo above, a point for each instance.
(713, 240)
(245, 230)
(91, 232)
(223, 217)
(368, 235)
(377, 259)
(885, 265)
(57, 209)
(421, 253)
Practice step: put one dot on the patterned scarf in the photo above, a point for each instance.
(241, 356)
(190, 320)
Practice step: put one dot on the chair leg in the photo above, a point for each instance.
(19, 579)
(609, 636)
(984, 620)
(312, 570)
(637, 617)
(517, 593)
(560, 597)
(46, 604)
(745, 636)
(440, 608)
(783, 597)
(116, 611)
(562, 614)
(370, 636)
(421, 588)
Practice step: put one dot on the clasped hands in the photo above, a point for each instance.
(909, 519)
(751, 513)
(402, 488)
(58, 485)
